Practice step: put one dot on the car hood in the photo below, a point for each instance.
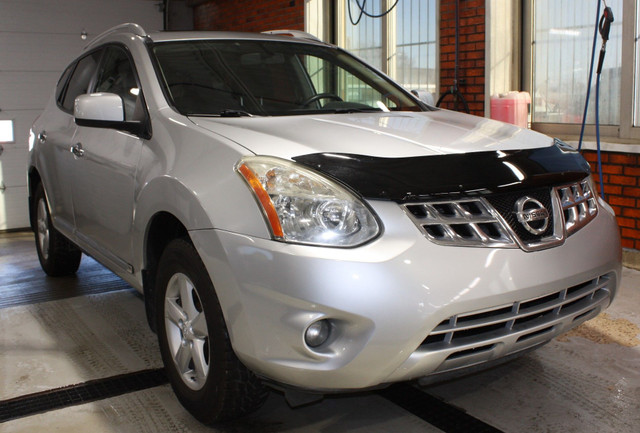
(409, 156)
(386, 135)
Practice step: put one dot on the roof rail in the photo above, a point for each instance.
(294, 33)
(136, 29)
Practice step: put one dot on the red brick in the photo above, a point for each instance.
(448, 65)
(621, 201)
(474, 89)
(631, 192)
(471, 3)
(242, 15)
(447, 32)
(630, 233)
(612, 169)
(622, 180)
(474, 72)
(591, 155)
(631, 213)
(447, 6)
(471, 21)
(629, 243)
(623, 158)
(614, 189)
(448, 49)
(627, 222)
(474, 55)
(632, 170)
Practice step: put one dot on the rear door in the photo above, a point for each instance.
(55, 132)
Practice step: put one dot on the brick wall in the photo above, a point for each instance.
(471, 52)
(248, 15)
(621, 177)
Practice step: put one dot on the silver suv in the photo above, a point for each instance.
(295, 218)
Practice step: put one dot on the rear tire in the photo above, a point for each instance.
(205, 374)
(58, 256)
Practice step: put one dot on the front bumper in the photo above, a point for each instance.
(385, 298)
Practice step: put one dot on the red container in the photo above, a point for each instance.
(511, 107)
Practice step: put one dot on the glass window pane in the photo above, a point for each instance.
(415, 50)
(563, 35)
(80, 80)
(365, 38)
(6, 131)
(117, 76)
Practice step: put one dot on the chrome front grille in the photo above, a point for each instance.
(494, 220)
(518, 325)
(470, 222)
(578, 205)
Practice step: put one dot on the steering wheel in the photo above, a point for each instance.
(319, 96)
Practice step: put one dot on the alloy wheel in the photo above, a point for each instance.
(187, 332)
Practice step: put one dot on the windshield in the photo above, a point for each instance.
(247, 77)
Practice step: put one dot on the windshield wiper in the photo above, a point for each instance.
(353, 110)
(233, 113)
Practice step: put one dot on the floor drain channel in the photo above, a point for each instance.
(86, 392)
(435, 411)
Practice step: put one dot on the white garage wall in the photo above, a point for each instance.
(38, 38)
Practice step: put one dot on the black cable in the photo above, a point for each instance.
(454, 90)
(363, 12)
(355, 23)
(165, 14)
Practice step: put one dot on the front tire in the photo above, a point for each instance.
(205, 374)
(58, 256)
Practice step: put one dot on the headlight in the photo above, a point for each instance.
(302, 206)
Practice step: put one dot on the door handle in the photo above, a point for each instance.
(77, 150)
(42, 137)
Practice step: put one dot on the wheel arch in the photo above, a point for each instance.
(167, 208)
(162, 229)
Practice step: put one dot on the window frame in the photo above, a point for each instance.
(97, 76)
(616, 133)
(62, 98)
(67, 75)
(389, 38)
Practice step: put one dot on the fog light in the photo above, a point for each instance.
(317, 333)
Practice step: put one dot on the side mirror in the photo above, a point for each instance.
(105, 110)
(424, 96)
(105, 107)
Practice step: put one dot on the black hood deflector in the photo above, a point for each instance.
(421, 177)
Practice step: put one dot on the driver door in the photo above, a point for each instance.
(105, 169)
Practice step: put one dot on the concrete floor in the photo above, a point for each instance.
(60, 332)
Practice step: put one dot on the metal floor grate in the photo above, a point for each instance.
(86, 392)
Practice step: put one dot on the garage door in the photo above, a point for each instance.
(38, 38)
